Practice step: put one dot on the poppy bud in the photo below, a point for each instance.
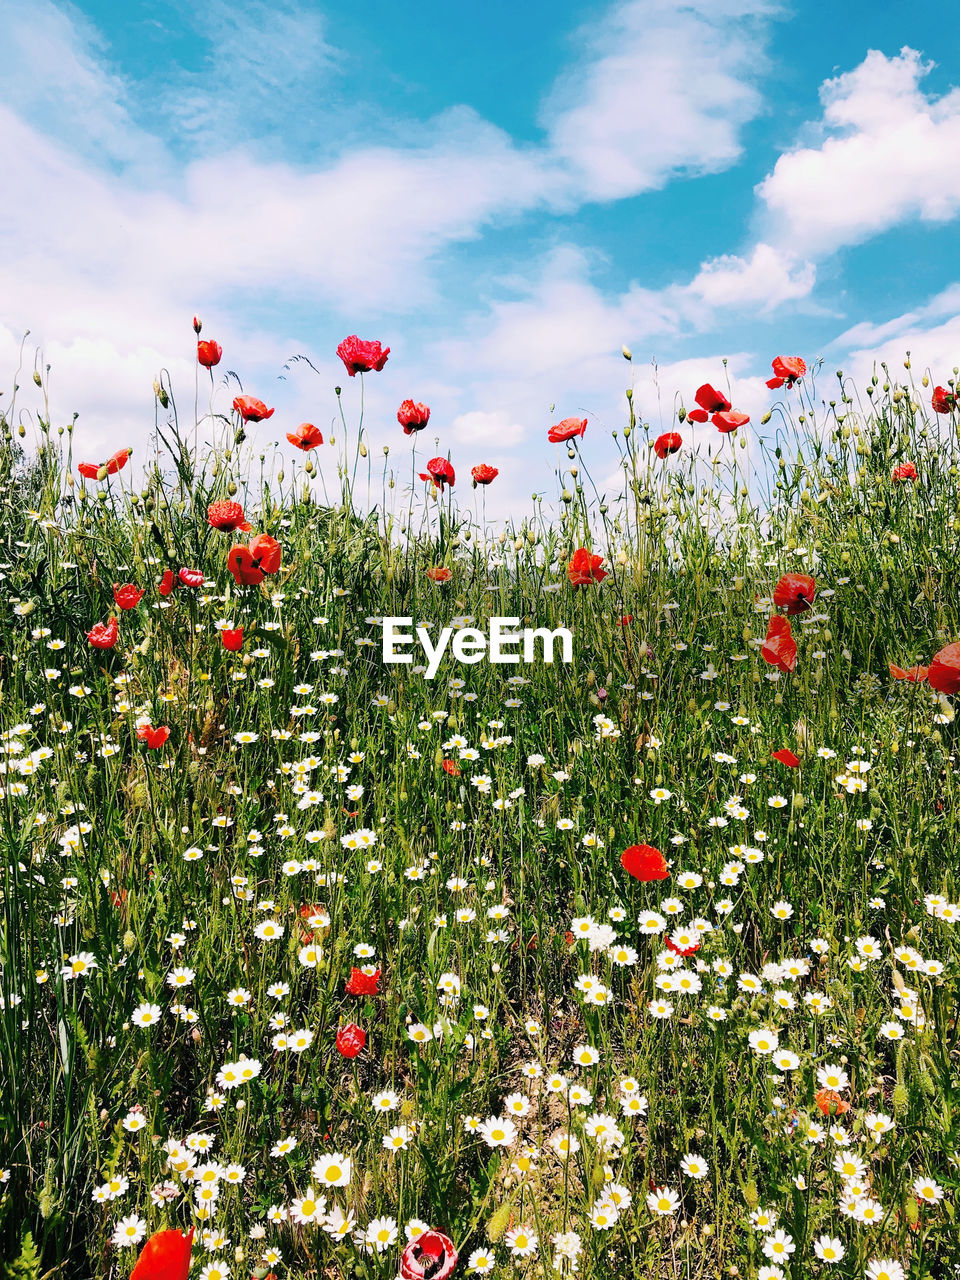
(197, 326)
(37, 379)
(627, 353)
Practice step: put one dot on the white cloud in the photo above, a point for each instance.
(767, 278)
(487, 427)
(931, 334)
(658, 89)
(886, 156)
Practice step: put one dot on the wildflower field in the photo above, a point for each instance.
(644, 964)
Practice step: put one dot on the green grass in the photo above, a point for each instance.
(98, 832)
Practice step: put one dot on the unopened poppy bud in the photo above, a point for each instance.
(197, 326)
(629, 393)
(196, 1035)
(279, 477)
(363, 451)
(36, 378)
(627, 353)
(21, 431)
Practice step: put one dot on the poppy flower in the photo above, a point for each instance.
(905, 471)
(795, 592)
(786, 369)
(711, 400)
(729, 420)
(126, 597)
(227, 516)
(153, 737)
(191, 577)
(786, 756)
(431, 1256)
(440, 471)
(251, 409)
(584, 568)
(449, 766)
(104, 635)
(100, 470)
(668, 443)
(943, 401)
(440, 573)
(944, 671)
(566, 430)
(166, 583)
(363, 984)
(246, 571)
(626, 620)
(209, 353)
(413, 416)
(916, 675)
(644, 863)
(362, 357)
(267, 551)
(350, 1040)
(165, 1256)
(780, 648)
(698, 415)
(232, 639)
(306, 437)
(830, 1102)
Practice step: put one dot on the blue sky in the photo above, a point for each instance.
(503, 193)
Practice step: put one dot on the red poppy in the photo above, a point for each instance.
(431, 1256)
(191, 577)
(669, 442)
(786, 369)
(153, 737)
(306, 436)
(350, 1040)
(645, 863)
(916, 675)
(440, 471)
(729, 420)
(246, 570)
(166, 1255)
(698, 415)
(232, 638)
(363, 984)
(413, 416)
(126, 597)
(626, 620)
(209, 353)
(362, 357)
(267, 551)
(104, 635)
(227, 516)
(166, 583)
(830, 1102)
(943, 401)
(251, 409)
(584, 568)
(905, 471)
(944, 672)
(786, 756)
(100, 470)
(449, 766)
(566, 430)
(711, 400)
(440, 574)
(484, 474)
(795, 592)
(780, 648)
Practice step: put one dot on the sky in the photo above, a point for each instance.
(504, 194)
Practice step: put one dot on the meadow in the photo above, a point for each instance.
(643, 965)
